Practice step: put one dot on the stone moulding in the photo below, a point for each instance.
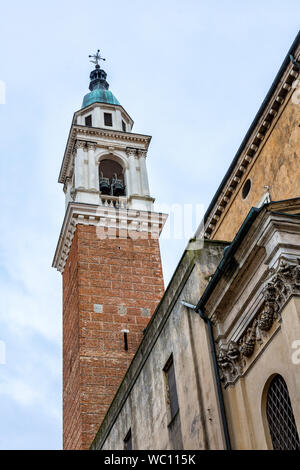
(281, 283)
(108, 222)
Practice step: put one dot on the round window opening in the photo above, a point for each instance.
(246, 189)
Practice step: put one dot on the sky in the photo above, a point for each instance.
(192, 74)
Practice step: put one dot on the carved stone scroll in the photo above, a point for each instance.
(281, 283)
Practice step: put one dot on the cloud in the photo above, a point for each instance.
(191, 76)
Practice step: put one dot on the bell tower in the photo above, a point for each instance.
(108, 254)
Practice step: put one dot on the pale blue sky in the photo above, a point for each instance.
(192, 74)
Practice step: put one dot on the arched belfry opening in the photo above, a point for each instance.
(111, 178)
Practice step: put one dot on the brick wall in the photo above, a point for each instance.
(108, 285)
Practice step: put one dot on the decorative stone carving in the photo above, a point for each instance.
(91, 145)
(233, 352)
(80, 144)
(228, 357)
(142, 153)
(281, 283)
(266, 317)
(131, 151)
(247, 342)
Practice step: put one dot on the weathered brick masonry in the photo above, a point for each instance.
(108, 285)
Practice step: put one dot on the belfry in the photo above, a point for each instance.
(108, 254)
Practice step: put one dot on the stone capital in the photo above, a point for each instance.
(142, 153)
(80, 144)
(91, 145)
(130, 151)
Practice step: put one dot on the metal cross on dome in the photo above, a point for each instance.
(97, 58)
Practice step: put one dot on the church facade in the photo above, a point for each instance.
(217, 366)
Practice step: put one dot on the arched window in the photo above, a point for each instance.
(111, 178)
(280, 416)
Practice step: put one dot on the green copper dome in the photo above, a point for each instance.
(99, 96)
(99, 92)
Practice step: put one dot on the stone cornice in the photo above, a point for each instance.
(141, 197)
(108, 221)
(83, 133)
(252, 148)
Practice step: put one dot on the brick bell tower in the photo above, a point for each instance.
(108, 254)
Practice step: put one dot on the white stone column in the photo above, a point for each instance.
(127, 180)
(131, 153)
(92, 167)
(79, 164)
(144, 175)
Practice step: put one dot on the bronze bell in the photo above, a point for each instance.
(118, 187)
(104, 185)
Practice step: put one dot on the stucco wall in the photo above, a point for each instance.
(276, 166)
(182, 333)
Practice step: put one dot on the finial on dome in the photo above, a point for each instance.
(99, 87)
(97, 58)
(98, 76)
